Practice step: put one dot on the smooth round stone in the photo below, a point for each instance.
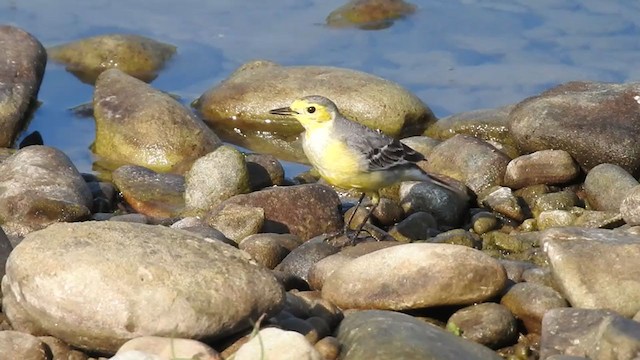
(369, 15)
(414, 276)
(375, 334)
(484, 222)
(148, 192)
(40, 186)
(216, 177)
(561, 200)
(607, 185)
(594, 122)
(139, 125)
(515, 269)
(321, 270)
(472, 161)
(415, 227)
(630, 206)
(488, 324)
(541, 167)
(446, 206)
(542, 276)
(21, 71)
(264, 171)
(458, 237)
(554, 218)
(302, 258)
(531, 193)
(18, 345)
(529, 302)
(501, 200)
(170, 348)
(308, 304)
(272, 343)
(328, 347)
(136, 55)
(110, 270)
(266, 249)
(388, 212)
(237, 222)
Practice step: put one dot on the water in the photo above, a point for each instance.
(455, 55)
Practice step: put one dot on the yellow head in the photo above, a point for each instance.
(311, 111)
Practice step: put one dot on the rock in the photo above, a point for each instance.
(617, 338)
(216, 177)
(446, 206)
(21, 71)
(549, 167)
(515, 269)
(412, 276)
(302, 258)
(597, 219)
(132, 218)
(150, 193)
(237, 222)
(484, 222)
(375, 334)
(594, 122)
(369, 14)
(60, 350)
(577, 332)
(104, 196)
(607, 185)
(421, 144)
(328, 347)
(264, 171)
(388, 212)
(529, 302)
(39, 186)
(139, 125)
(554, 218)
(540, 276)
(584, 262)
(244, 99)
(561, 200)
(490, 125)
(126, 280)
(415, 227)
(470, 160)
(501, 200)
(135, 55)
(458, 237)
(272, 343)
(303, 210)
(17, 345)
(630, 206)
(489, 324)
(170, 348)
(209, 233)
(268, 249)
(5, 250)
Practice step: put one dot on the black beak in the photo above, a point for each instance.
(286, 111)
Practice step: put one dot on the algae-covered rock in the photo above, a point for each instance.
(135, 55)
(369, 14)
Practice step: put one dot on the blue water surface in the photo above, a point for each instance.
(455, 55)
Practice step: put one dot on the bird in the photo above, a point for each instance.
(350, 155)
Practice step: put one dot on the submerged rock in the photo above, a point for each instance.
(369, 14)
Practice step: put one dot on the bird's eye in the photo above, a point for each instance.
(311, 109)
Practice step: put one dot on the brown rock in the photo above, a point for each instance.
(607, 185)
(17, 345)
(541, 167)
(529, 302)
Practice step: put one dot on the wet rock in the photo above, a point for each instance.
(5, 250)
(594, 122)
(61, 350)
(484, 222)
(136, 269)
(542, 276)
(308, 304)
(243, 101)
(216, 177)
(458, 237)
(375, 334)
(170, 348)
(421, 144)
(135, 55)
(39, 186)
(150, 193)
(21, 71)
(515, 269)
(137, 124)
(104, 196)
(328, 347)
(272, 343)
(237, 222)
(489, 324)
(530, 194)
(18, 345)
(131, 218)
(411, 276)
(302, 258)
(388, 212)
(269, 249)
(597, 219)
(529, 302)
(584, 262)
(264, 171)
(574, 332)
(541, 167)
(490, 125)
(554, 218)
(470, 160)
(446, 206)
(303, 210)
(415, 227)
(561, 200)
(630, 206)
(607, 185)
(501, 200)
(369, 14)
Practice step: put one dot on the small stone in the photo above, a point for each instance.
(388, 212)
(562, 200)
(104, 194)
(489, 324)
(328, 347)
(307, 304)
(630, 206)
(445, 205)
(529, 302)
(170, 348)
(502, 201)
(215, 177)
(237, 222)
(607, 185)
(266, 249)
(415, 227)
(598, 219)
(302, 327)
(484, 222)
(19, 345)
(264, 171)
(515, 269)
(272, 343)
(61, 350)
(458, 237)
(369, 14)
(554, 218)
(302, 258)
(549, 167)
(131, 218)
(5, 250)
(542, 276)
(530, 194)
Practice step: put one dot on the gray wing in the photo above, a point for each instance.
(382, 152)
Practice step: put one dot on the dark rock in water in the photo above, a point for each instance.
(32, 139)
(21, 71)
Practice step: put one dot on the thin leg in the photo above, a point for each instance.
(347, 225)
(375, 199)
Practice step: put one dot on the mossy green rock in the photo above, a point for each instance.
(238, 108)
(136, 55)
(369, 14)
(137, 124)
